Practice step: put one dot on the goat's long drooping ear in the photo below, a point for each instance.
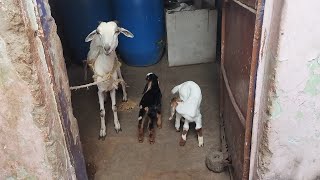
(90, 36)
(126, 32)
(145, 88)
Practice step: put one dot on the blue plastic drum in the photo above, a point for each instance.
(80, 17)
(145, 19)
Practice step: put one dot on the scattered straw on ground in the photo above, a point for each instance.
(127, 106)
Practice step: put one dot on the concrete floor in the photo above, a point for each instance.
(120, 156)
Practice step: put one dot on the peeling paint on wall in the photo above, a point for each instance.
(276, 109)
(289, 131)
(313, 84)
(299, 115)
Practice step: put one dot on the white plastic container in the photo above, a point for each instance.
(191, 36)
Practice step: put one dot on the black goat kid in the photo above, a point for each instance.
(150, 105)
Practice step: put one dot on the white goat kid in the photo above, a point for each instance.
(103, 61)
(187, 105)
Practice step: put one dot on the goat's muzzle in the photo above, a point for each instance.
(107, 50)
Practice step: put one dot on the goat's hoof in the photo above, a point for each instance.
(117, 128)
(151, 138)
(177, 130)
(102, 134)
(201, 145)
(102, 138)
(140, 139)
(182, 142)
(140, 135)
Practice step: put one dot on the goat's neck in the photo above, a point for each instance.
(104, 63)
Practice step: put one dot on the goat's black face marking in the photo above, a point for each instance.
(152, 80)
(151, 77)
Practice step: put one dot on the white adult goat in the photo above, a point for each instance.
(103, 61)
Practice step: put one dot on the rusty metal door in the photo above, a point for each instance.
(240, 44)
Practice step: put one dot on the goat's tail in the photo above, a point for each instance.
(175, 89)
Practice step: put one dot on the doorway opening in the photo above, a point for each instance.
(225, 95)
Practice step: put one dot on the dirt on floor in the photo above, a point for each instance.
(120, 156)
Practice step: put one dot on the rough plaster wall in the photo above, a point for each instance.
(33, 143)
(60, 85)
(22, 148)
(264, 86)
(289, 70)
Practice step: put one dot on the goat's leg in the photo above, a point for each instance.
(183, 139)
(141, 116)
(140, 131)
(200, 137)
(123, 84)
(151, 130)
(105, 96)
(199, 132)
(102, 115)
(114, 109)
(159, 120)
(85, 68)
(177, 123)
